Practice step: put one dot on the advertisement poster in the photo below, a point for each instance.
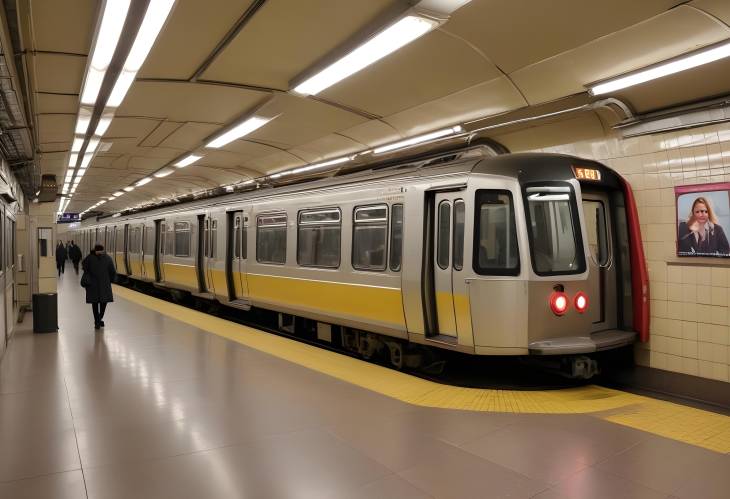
(703, 216)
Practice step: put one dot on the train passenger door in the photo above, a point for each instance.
(202, 253)
(601, 284)
(236, 255)
(446, 206)
(159, 245)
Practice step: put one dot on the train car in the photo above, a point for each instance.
(517, 254)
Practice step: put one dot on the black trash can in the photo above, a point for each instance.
(45, 313)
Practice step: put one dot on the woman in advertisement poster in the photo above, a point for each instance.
(701, 234)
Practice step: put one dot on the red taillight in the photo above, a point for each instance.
(559, 302)
(581, 302)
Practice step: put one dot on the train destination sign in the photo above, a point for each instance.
(587, 173)
(67, 218)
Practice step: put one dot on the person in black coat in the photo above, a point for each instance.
(99, 273)
(61, 258)
(74, 253)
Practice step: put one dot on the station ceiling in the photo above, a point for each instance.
(490, 58)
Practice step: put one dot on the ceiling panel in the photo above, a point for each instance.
(56, 128)
(58, 73)
(303, 120)
(485, 99)
(273, 162)
(190, 135)
(191, 33)
(130, 128)
(372, 133)
(329, 146)
(429, 68)
(188, 101)
(160, 133)
(717, 8)
(50, 103)
(63, 26)
(517, 33)
(247, 149)
(53, 163)
(627, 50)
(285, 37)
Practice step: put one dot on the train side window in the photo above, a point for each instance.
(170, 242)
(271, 238)
(244, 238)
(396, 237)
(459, 221)
(370, 237)
(182, 239)
(163, 235)
(495, 235)
(213, 238)
(595, 219)
(444, 233)
(318, 238)
(149, 241)
(237, 237)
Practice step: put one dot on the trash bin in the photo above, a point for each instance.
(45, 313)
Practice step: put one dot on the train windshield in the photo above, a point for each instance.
(553, 226)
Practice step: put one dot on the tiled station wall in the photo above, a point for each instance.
(690, 297)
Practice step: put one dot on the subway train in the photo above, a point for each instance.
(535, 255)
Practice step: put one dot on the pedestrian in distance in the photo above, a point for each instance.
(74, 253)
(61, 258)
(99, 273)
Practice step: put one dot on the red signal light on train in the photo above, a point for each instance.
(581, 302)
(559, 302)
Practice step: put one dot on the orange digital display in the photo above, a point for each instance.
(587, 173)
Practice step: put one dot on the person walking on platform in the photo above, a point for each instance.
(74, 253)
(61, 258)
(98, 275)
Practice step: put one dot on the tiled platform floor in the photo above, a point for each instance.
(153, 408)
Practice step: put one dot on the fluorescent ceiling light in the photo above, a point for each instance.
(102, 126)
(418, 140)
(87, 159)
(115, 13)
(144, 181)
(82, 122)
(72, 159)
(93, 142)
(384, 43)
(117, 194)
(188, 161)
(163, 173)
(323, 164)
(129, 189)
(154, 18)
(69, 175)
(80, 173)
(78, 142)
(683, 63)
(244, 128)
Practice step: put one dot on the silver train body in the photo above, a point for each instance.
(466, 253)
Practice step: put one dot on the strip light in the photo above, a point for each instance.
(188, 161)
(323, 164)
(129, 189)
(102, 126)
(163, 173)
(240, 130)
(72, 159)
(154, 19)
(418, 140)
(115, 13)
(689, 61)
(142, 182)
(117, 194)
(384, 43)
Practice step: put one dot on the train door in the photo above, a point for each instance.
(159, 245)
(125, 251)
(602, 274)
(236, 255)
(200, 255)
(446, 204)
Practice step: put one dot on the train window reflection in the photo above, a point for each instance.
(495, 241)
(595, 219)
(444, 234)
(396, 238)
(182, 239)
(552, 229)
(318, 238)
(271, 239)
(459, 220)
(370, 237)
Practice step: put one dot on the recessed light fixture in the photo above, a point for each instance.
(238, 131)
(687, 61)
(189, 160)
(386, 42)
(418, 139)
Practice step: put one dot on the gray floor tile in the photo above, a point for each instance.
(67, 485)
(712, 483)
(597, 484)
(390, 487)
(26, 456)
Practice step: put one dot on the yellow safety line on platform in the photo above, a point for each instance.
(678, 422)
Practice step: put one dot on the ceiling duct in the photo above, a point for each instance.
(48, 190)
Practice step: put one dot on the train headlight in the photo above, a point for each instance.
(581, 302)
(559, 303)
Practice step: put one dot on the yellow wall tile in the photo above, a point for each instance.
(689, 349)
(704, 294)
(689, 330)
(719, 296)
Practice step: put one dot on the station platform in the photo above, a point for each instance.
(167, 402)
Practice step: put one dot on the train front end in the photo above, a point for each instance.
(580, 285)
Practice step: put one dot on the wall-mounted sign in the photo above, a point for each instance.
(67, 218)
(703, 213)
